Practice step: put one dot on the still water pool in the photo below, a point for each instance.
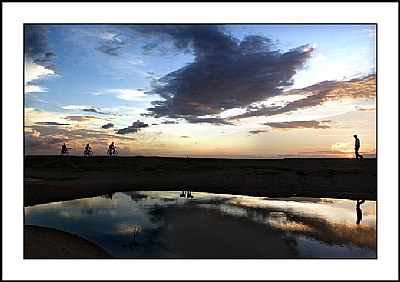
(184, 224)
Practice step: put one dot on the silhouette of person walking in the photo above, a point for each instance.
(357, 147)
(359, 211)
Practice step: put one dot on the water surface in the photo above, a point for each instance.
(177, 224)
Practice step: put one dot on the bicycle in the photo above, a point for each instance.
(112, 152)
(87, 153)
(65, 152)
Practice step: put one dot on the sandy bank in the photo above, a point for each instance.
(49, 243)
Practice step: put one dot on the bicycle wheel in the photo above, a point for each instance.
(116, 153)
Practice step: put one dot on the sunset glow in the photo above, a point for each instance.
(234, 91)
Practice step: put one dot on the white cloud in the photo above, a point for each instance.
(36, 133)
(107, 35)
(29, 110)
(34, 88)
(370, 31)
(352, 58)
(128, 94)
(318, 58)
(35, 72)
(232, 112)
(75, 107)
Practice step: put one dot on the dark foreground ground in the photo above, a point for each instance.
(56, 178)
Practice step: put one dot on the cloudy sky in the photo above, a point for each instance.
(254, 91)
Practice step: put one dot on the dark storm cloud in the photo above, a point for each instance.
(226, 73)
(37, 46)
(113, 45)
(215, 121)
(194, 119)
(109, 50)
(92, 110)
(135, 127)
(296, 125)
(169, 122)
(255, 132)
(199, 39)
(360, 88)
(108, 125)
(80, 118)
(51, 123)
(97, 111)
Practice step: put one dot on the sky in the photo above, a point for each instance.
(219, 90)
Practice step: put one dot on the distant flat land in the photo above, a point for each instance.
(56, 178)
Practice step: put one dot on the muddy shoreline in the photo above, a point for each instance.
(55, 178)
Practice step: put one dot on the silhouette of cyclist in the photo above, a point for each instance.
(111, 148)
(88, 149)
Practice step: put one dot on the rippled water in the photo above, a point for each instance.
(204, 225)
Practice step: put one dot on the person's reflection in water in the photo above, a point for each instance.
(359, 211)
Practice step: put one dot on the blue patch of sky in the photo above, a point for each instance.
(347, 48)
(84, 70)
(292, 36)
